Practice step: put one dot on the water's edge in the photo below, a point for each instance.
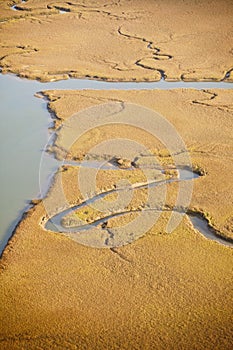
(32, 87)
(201, 224)
(98, 84)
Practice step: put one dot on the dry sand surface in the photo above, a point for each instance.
(118, 40)
(163, 291)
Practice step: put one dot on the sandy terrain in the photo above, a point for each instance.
(131, 40)
(163, 291)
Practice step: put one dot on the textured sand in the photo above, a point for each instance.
(160, 292)
(118, 40)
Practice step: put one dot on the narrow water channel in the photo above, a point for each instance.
(55, 222)
(24, 124)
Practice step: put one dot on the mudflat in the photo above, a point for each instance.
(155, 290)
(118, 40)
(162, 291)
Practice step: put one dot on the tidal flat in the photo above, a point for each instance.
(184, 40)
(109, 274)
(182, 275)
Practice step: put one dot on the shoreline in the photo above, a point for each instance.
(170, 273)
(53, 118)
(67, 76)
(148, 85)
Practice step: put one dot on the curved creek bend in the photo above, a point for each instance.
(25, 121)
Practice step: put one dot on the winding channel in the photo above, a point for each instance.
(55, 222)
(25, 121)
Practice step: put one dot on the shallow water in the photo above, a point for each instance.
(202, 226)
(24, 126)
(55, 222)
(80, 84)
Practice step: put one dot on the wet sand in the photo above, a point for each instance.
(39, 42)
(158, 292)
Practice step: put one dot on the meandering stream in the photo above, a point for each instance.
(24, 132)
(55, 222)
